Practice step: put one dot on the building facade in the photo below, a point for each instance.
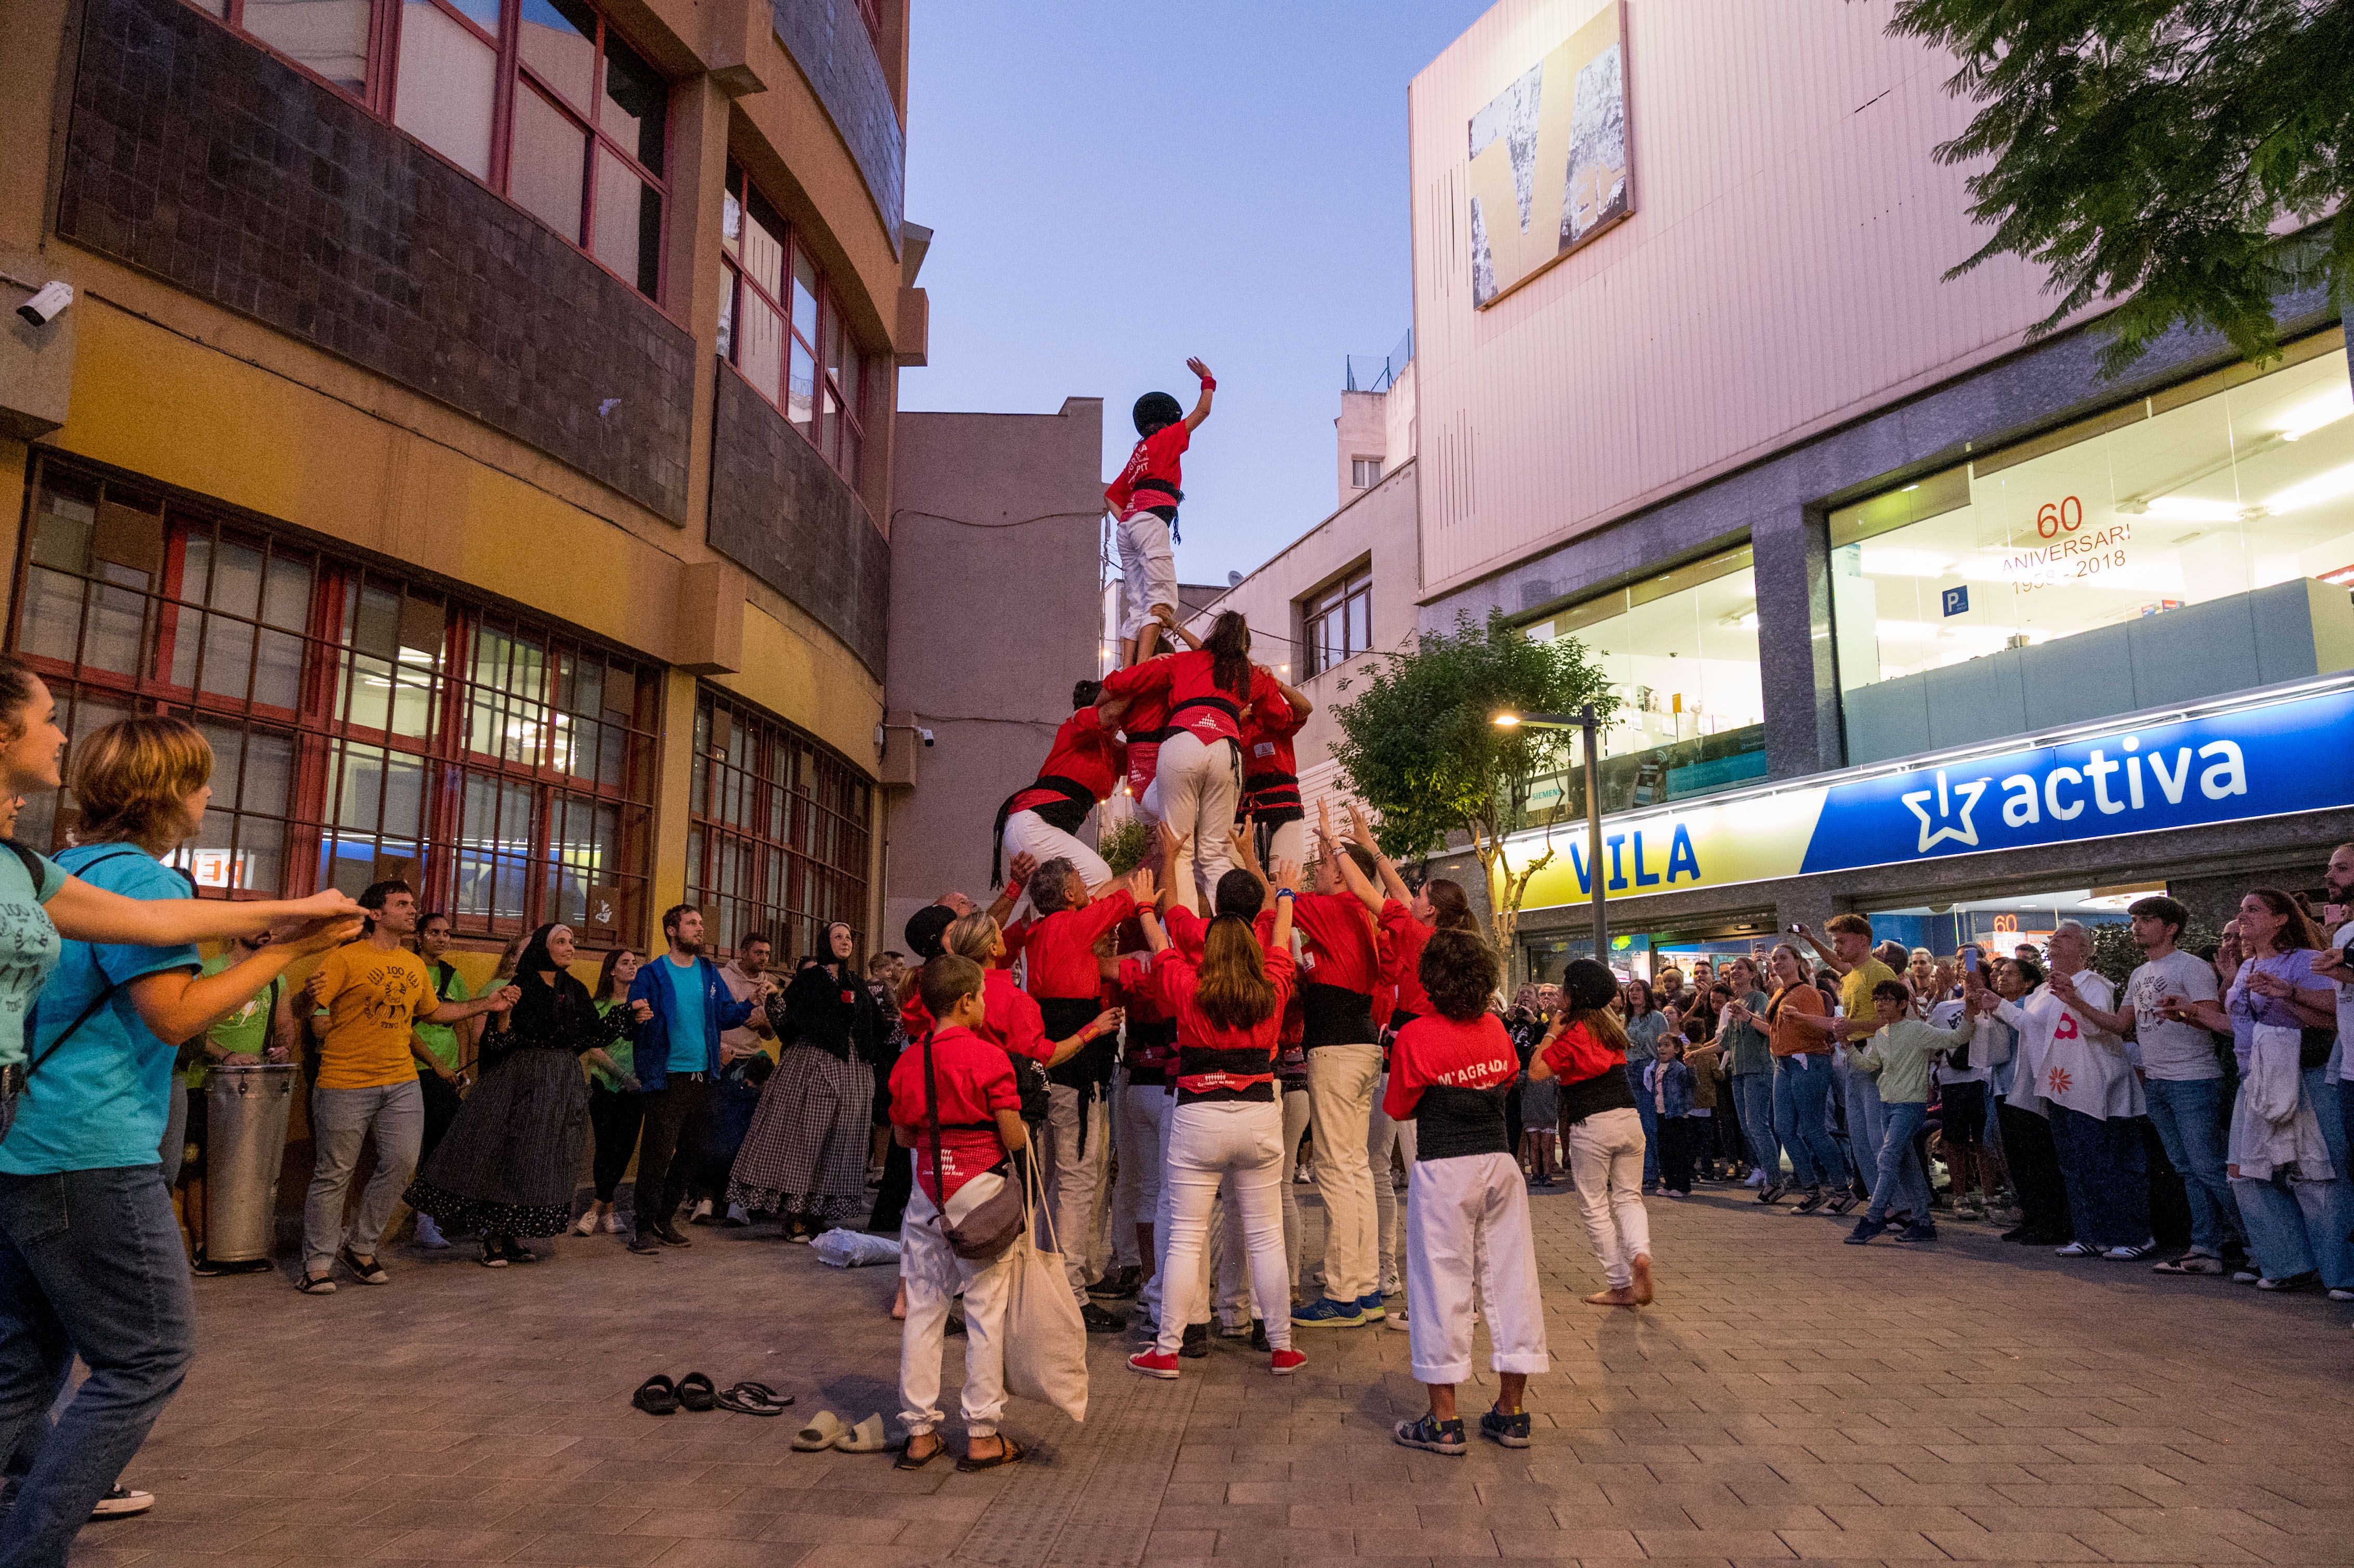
(478, 417)
(1904, 613)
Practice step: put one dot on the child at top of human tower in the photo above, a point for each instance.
(1143, 501)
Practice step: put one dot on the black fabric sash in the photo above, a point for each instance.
(1452, 1122)
(1336, 1015)
(1231, 709)
(1065, 1016)
(1607, 1090)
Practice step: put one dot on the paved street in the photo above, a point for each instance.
(1788, 1398)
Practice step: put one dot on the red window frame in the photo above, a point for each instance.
(842, 445)
(380, 94)
(327, 735)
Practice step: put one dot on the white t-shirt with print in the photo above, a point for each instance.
(2342, 940)
(2172, 1050)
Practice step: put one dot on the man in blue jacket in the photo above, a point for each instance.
(677, 1057)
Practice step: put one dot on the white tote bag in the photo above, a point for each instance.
(1045, 1342)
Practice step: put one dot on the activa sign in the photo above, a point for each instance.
(2295, 756)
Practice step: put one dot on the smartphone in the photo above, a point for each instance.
(1970, 959)
(1793, 930)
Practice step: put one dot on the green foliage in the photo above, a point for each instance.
(1124, 848)
(1419, 745)
(2115, 956)
(2153, 151)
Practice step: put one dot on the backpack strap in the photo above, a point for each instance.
(33, 864)
(932, 1121)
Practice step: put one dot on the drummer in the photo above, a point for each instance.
(261, 1030)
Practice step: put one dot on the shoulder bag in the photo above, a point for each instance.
(983, 1231)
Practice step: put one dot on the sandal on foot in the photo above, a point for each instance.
(656, 1396)
(819, 1434)
(909, 1459)
(1009, 1452)
(867, 1437)
(695, 1393)
(315, 1285)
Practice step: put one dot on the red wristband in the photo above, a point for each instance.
(1208, 384)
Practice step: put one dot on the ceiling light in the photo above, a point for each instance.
(2327, 409)
(2193, 509)
(2322, 487)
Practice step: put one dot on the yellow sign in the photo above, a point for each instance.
(1754, 839)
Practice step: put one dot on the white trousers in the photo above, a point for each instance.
(1467, 1223)
(1148, 569)
(1287, 842)
(1199, 785)
(1135, 1118)
(1236, 1145)
(1341, 1084)
(1605, 1160)
(1225, 1242)
(934, 1273)
(1385, 1137)
(1072, 1175)
(1295, 1122)
(1027, 833)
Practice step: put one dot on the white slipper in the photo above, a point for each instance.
(819, 1434)
(867, 1437)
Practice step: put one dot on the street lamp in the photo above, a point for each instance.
(1583, 720)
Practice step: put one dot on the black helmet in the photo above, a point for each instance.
(1155, 409)
(1588, 986)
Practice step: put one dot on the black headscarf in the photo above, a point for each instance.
(559, 1015)
(829, 1006)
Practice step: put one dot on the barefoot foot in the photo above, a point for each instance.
(1642, 1280)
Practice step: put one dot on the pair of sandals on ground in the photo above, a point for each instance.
(658, 1395)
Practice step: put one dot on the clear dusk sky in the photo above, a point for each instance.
(1115, 186)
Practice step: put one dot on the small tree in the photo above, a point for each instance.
(2155, 151)
(1419, 744)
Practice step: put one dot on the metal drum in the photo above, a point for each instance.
(245, 1143)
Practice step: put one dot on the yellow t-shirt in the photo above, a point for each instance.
(1855, 988)
(373, 999)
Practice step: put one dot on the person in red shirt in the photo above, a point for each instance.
(1143, 505)
(1271, 774)
(977, 1116)
(1084, 766)
(1585, 1048)
(1467, 1207)
(1140, 1111)
(1225, 1129)
(1199, 770)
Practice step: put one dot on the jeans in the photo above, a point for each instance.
(1236, 1145)
(2106, 1174)
(1802, 1095)
(614, 1118)
(1898, 1180)
(1341, 1080)
(2296, 1227)
(175, 1133)
(1753, 1093)
(90, 1265)
(2188, 1115)
(2035, 1181)
(676, 1117)
(340, 1121)
(1867, 1125)
(1648, 1115)
(1677, 1135)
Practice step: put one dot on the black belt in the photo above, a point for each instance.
(1232, 710)
(1149, 737)
(1069, 815)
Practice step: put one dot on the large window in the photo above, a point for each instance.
(1679, 649)
(361, 724)
(1336, 622)
(782, 326)
(537, 99)
(2191, 543)
(778, 837)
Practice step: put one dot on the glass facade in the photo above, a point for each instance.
(361, 724)
(1680, 652)
(2191, 544)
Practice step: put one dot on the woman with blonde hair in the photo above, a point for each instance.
(90, 1260)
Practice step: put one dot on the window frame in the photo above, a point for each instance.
(1357, 468)
(1352, 586)
(380, 97)
(320, 732)
(735, 278)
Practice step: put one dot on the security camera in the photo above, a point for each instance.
(48, 304)
(925, 733)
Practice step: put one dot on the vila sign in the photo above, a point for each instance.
(2251, 762)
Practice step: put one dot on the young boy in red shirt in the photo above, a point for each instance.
(1143, 502)
(979, 1118)
(1466, 1206)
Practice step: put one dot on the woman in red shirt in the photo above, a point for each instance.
(1586, 1049)
(1225, 1126)
(1084, 766)
(1200, 778)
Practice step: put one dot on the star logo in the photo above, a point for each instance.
(2061, 1083)
(1934, 833)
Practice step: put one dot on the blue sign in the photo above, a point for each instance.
(2253, 762)
(1957, 600)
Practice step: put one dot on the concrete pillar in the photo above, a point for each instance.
(1791, 567)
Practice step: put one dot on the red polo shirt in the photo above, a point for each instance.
(975, 1082)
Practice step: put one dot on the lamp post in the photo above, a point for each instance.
(1583, 720)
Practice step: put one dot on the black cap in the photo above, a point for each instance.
(927, 929)
(1588, 986)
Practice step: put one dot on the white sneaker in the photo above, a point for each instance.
(614, 1223)
(1757, 1178)
(430, 1235)
(586, 1225)
(738, 1216)
(122, 1503)
(702, 1216)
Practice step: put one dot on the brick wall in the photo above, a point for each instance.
(829, 40)
(779, 513)
(195, 155)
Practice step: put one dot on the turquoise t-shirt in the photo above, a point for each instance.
(690, 1041)
(29, 946)
(102, 1099)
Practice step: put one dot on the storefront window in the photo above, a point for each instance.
(2194, 543)
(358, 722)
(1680, 650)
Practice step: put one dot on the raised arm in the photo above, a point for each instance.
(1202, 404)
(1017, 877)
(1822, 948)
(497, 1000)
(1392, 883)
(1287, 890)
(88, 914)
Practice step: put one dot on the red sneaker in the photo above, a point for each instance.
(1153, 1363)
(1283, 1364)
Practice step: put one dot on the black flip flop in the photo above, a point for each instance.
(907, 1461)
(781, 1401)
(656, 1396)
(695, 1393)
(1009, 1452)
(747, 1399)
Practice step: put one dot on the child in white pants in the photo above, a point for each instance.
(1585, 1048)
(1467, 1207)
